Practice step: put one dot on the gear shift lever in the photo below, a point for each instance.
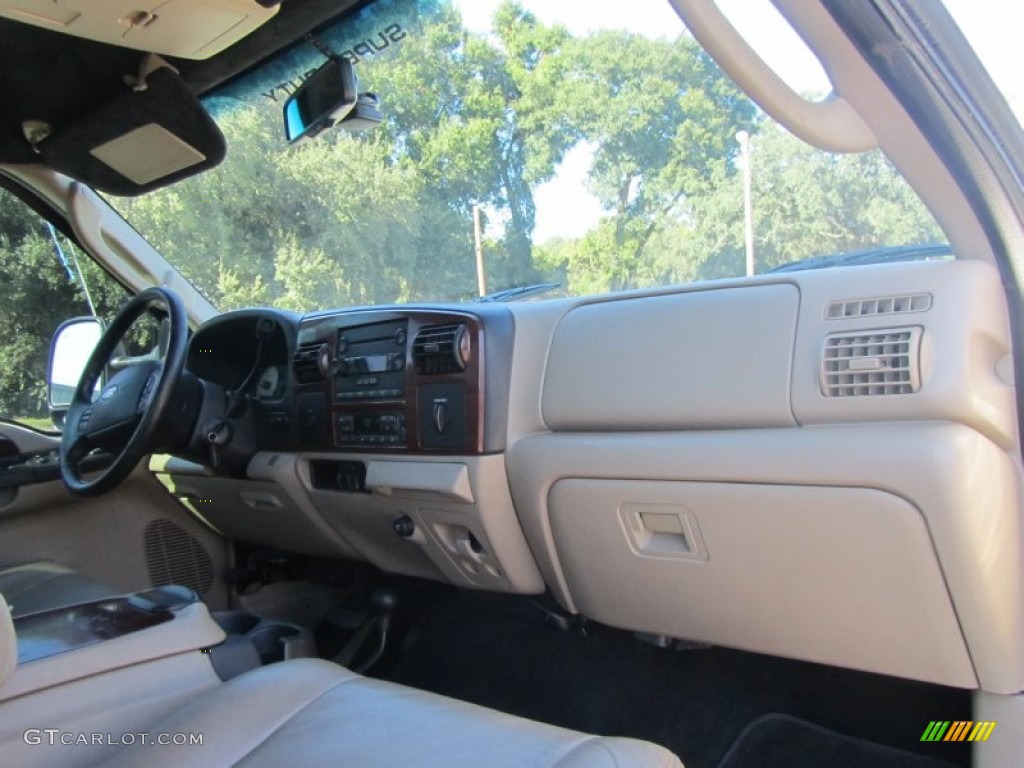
(382, 605)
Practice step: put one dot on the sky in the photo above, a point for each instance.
(564, 208)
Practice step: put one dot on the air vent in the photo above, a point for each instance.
(307, 364)
(441, 349)
(883, 362)
(886, 305)
(174, 556)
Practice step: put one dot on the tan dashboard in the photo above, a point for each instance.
(821, 465)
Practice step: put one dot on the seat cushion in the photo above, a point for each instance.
(311, 712)
(43, 585)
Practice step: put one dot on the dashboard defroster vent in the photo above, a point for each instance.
(877, 362)
(885, 305)
(441, 349)
(307, 364)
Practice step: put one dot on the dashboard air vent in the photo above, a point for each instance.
(886, 305)
(441, 349)
(882, 362)
(307, 364)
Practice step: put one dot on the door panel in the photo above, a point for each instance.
(130, 538)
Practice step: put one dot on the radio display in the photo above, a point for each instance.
(369, 364)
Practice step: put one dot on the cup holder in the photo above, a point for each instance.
(236, 622)
(273, 640)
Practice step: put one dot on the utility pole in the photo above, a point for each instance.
(743, 138)
(481, 281)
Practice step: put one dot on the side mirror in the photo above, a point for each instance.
(326, 97)
(70, 349)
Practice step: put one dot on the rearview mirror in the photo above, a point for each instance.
(69, 352)
(326, 97)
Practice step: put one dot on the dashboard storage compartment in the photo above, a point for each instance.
(844, 576)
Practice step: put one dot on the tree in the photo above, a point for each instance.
(475, 117)
(806, 203)
(385, 216)
(661, 117)
(39, 293)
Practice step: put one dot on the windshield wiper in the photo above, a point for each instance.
(512, 294)
(882, 255)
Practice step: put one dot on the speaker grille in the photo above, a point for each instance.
(174, 556)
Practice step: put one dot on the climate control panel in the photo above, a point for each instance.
(395, 380)
(377, 429)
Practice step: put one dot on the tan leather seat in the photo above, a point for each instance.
(310, 712)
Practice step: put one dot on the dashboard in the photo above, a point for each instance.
(717, 462)
(394, 380)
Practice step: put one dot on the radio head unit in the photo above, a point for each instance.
(371, 361)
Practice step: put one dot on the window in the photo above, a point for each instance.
(578, 150)
(45, 280)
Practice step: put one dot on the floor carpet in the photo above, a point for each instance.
(781, 741)
(698, 703)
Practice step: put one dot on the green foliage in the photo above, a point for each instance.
(386, 216)
(38, 296)
(806, 203)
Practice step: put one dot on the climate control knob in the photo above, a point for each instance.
(403, 526)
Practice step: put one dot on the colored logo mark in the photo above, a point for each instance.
(958, 730)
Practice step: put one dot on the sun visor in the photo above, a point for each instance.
(151, 135)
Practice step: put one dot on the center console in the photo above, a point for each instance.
(120, 664)
(49, 633)
(64, 644)
(389, 381)
(398, 427)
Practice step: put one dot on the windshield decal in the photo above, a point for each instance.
(289, 86)
(371, 46)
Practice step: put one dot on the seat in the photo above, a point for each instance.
(312, 712)
(44, 584)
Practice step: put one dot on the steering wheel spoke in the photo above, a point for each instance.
(149, 387)
(78, 447)
(125, 419)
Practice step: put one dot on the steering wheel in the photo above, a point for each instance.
(125, 419)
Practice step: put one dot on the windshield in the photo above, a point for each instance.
(579, 152)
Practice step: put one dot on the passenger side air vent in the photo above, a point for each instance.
(887, 305)
(441, 349)
(308, 362)
(882, 362)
